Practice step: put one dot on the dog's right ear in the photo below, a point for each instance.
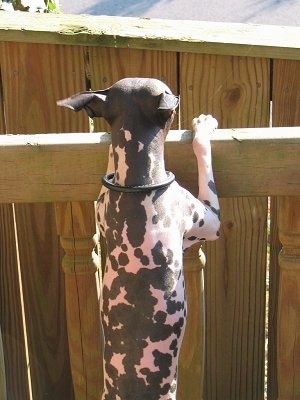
(167, 104)
(94, 102)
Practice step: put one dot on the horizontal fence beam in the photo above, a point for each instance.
(69, 167)
(153, 34)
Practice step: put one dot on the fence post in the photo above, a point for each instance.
(288, 361)
(191, 360)
(76, 227)
(2, 372)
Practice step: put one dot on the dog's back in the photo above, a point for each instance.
(147, 220)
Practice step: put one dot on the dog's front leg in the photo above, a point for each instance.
(203, 126)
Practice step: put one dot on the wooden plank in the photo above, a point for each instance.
(76, 228)
(284, 296)
(272, 301)
(11, 311)
(2, 371)
(2, 366)
(235, 304)
(66, 167)
(288, 333)
(286, 84)
(217, 79)
(153, 34)
(28, 77)
(29, 73)
(69, 69)
(11, 324)
(236, 91)
(2, 115)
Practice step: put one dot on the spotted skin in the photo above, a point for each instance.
(143, 303)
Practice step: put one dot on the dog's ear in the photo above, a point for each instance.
(168, 101)
(167, 104)
(94, 103)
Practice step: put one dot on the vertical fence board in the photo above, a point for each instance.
(274, 249)
(76, 227)
(236, 91)
(34, 77)
(11, 311)
(288, 337)
(2, 371)
(286, 93)
(2, 115)
(286, 112)
(11, 323)
(2, 365)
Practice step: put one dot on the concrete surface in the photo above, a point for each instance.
(271, 12)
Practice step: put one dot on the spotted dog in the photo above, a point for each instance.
(148, 220)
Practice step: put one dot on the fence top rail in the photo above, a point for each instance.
(153, 34)
(276, 135)
(69, 167)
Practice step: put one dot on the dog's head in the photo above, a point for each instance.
(130, 101)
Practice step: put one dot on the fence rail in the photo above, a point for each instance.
(154, 34)
(69, 166)
(247, 76)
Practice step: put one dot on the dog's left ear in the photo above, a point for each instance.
(167, 104)
(94, 103)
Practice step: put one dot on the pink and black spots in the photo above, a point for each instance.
(161, 213)
(147, 221)
(143, 314)
(121, 215)
(141, 256)
(143, 288)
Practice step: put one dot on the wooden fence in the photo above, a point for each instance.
(248, 77)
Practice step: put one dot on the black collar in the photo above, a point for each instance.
(107, 182)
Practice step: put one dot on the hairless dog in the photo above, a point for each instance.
(147, 221)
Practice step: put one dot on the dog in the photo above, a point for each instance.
(147, 220)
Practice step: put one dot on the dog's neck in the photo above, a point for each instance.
(138, 157)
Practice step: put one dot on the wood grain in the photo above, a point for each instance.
(11, 315)
(2, 371)
(2, 114)
(272, 301)
(11, 323)
(236, 92)
(34, 78)
(233, 89)
(286, 110)
(192, 354)
(288, 336)
(235, 323)
(286, 103)
(76, 227)
(2, 364)
(29, 72)
(69, 167)
(153, 34)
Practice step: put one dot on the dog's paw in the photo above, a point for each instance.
(204, 123)
(203, 126)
